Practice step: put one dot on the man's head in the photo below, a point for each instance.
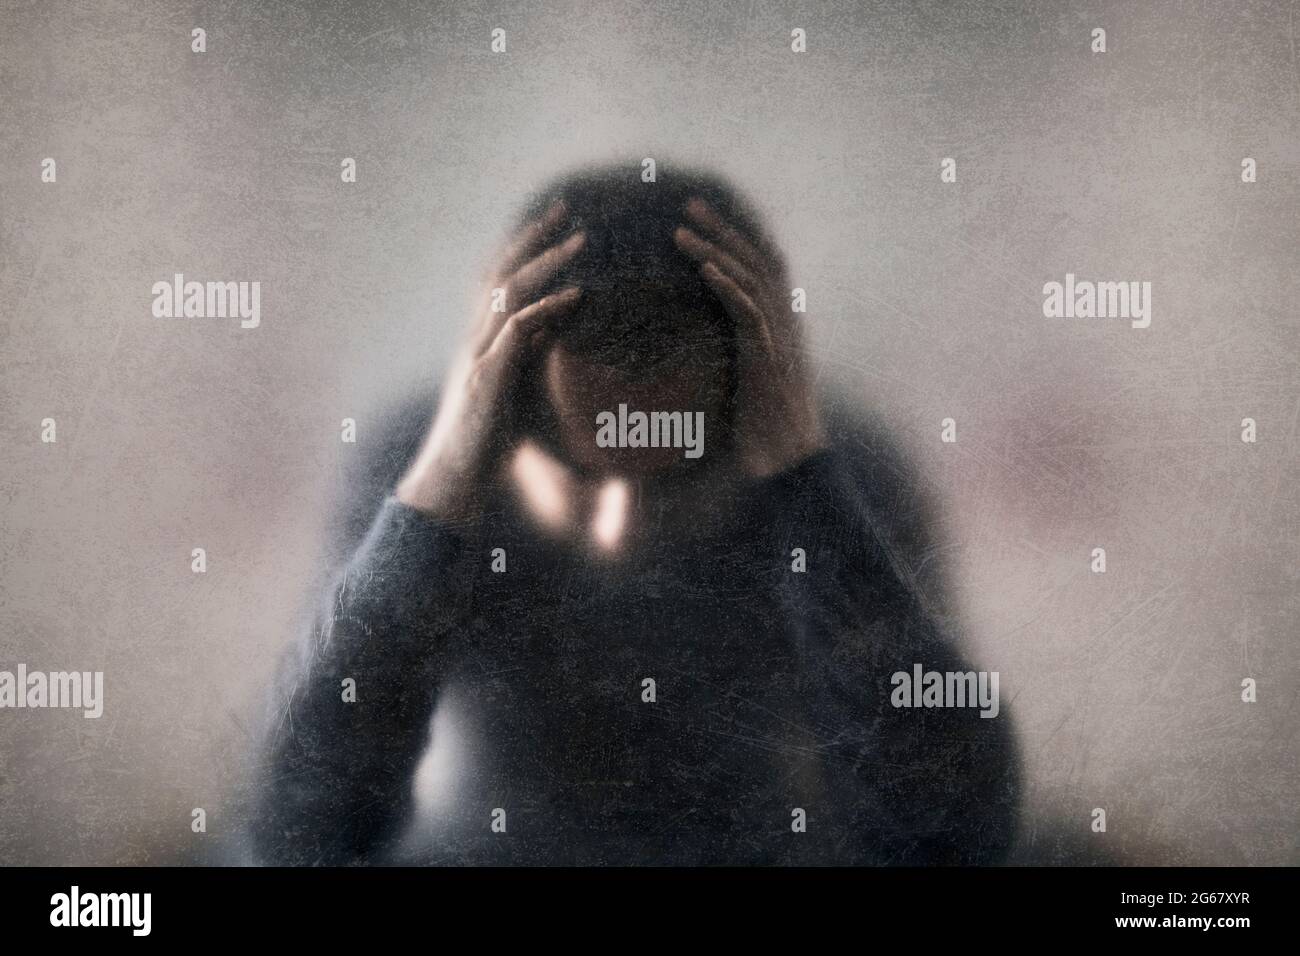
(647, 332)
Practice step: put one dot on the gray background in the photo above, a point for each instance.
(925, 302)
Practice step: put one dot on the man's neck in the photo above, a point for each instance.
(617, 515)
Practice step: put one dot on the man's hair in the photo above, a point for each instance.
(644, 303)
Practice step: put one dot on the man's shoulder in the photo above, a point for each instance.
(876, 469)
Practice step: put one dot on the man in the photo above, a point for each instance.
(568, 641)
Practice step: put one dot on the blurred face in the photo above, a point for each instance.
(580, 390)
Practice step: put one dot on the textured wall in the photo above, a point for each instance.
(925, 303)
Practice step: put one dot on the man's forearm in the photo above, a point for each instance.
(353, 719)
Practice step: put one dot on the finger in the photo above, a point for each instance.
(530, 325)
(702, 251)
(748, 316)
(529, 280)
(731, 239)
(488, 328)
(494, 331)
(532, 238)
(513, 293)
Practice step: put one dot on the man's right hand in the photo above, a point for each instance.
(470, 430)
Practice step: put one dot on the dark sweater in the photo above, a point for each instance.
(772, 693)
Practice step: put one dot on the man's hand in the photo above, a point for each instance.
(468, 435)
(777, 422)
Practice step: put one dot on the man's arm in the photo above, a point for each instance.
(935, 785)
(354, 705)
(353, 714)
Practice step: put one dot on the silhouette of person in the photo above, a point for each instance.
(567, 651)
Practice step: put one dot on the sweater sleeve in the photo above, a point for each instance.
(356, 696)
(933, 785)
